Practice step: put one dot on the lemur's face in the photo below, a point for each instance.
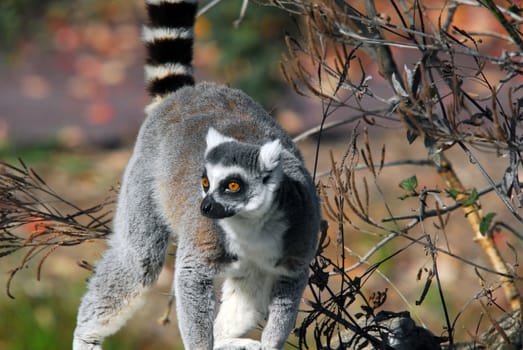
(238, 179)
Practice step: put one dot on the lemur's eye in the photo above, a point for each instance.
(205, 183)
(233, 186)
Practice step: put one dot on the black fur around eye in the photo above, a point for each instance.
(233, 185)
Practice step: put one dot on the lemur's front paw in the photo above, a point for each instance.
(237, 344)
(79, 344)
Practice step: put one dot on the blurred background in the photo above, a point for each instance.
(71, 102)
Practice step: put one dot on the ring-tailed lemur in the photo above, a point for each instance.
(213, 171)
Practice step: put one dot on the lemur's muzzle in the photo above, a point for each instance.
(214, 210)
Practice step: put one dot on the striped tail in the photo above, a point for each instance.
(169, 38)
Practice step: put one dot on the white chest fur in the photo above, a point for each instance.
(255, 241)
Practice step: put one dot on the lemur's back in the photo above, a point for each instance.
(208, 104)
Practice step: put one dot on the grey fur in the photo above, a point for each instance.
(160, 200)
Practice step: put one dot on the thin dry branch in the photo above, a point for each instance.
(37, 220)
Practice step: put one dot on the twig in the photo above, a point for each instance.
(324, 127)
(363, 260)
(450, 329)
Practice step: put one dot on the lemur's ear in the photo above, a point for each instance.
(270, 154)
(214, 138)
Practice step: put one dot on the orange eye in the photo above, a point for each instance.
(233, 186)
(205, 182)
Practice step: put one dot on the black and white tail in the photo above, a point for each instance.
(169, 38)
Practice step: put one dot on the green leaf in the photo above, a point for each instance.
(485, 223)
(473, 197)
(409, 184)
(453, 193)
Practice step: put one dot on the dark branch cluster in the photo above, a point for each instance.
(411, 66)
(340, 315)
(37, 220)
(431, 69)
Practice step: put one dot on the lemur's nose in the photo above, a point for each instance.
(213, 209)
(206, 206)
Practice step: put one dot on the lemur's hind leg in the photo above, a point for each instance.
(126, 270)
(112, 297)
